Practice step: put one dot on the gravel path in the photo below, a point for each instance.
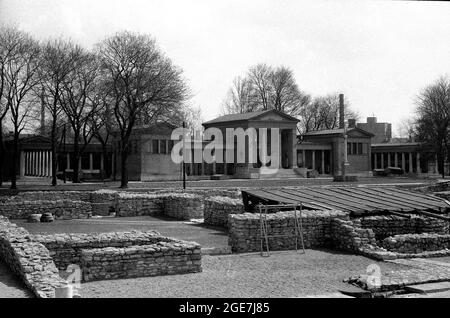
(283, 274)
(10, 285)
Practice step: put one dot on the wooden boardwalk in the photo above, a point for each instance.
(353, 199)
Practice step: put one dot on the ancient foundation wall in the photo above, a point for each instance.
(65, 249)
(385, 226)
(162, 258)
(61, 209)
(28, 259)
(417, 243)
(244, 230)
(217, 209)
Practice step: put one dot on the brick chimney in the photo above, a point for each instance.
(341, 111)
(351, 123)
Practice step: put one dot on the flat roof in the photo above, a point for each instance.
(356, 200)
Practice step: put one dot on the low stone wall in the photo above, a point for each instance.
(61, 209)
(217, 209)
(136, 204)
(65, 249)
(385, 226)
(183, 206)
(417, 243)
(52, 196)
(234, 193)
(28, 259)
(162, 258)
(349, 235)
(244, 230)
(103, 201)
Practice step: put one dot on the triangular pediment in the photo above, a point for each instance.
(36, 140)
(357, 132)
(274, 115)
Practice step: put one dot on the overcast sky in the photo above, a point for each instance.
(380, 54)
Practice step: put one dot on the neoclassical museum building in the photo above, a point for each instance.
(359, 149)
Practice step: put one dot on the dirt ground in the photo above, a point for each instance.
(206, 236)
(283, 274)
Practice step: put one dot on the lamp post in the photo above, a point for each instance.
(345, 161)
(183, 163)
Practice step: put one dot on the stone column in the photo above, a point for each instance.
(411, 163)
(323, 162)
(304, 158)
(419, 170)
(375, 159)
(50, 155)
(388, 159)
(22, 164)
(91, 161)
(313, 159)
(403, 162)
(225, 168)
(436, 169)
(102, 165)
(396, 159)
(382, 160)
(39, 163)
(26, 162)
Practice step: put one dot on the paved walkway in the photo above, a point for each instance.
(240, 183)
(207, 236)
(10, 285)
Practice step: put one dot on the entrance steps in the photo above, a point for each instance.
(278, 174)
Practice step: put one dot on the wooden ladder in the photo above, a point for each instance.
(264, 235)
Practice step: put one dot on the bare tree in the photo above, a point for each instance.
(285, 94)
(20, 79)
(101, 122)
(265, 87)
(260, 79)
(8, 45)
(323, 113)
(240, 98)
(56, 64)
(142, 81)
(433, 124)
(79, 84)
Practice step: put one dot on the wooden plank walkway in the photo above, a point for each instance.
(355, 200)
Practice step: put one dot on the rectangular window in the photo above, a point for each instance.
(162, 146)
(96, 160)
(85, 161)
(155, 146)
(171, 143)
(360, 148)
(354, 148)
(349, 148)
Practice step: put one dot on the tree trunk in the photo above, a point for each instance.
(76, 157)
(54, 159)
(123, 168)
(2, 152)
(104, 172)
(15, 158)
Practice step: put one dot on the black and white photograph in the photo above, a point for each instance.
(223, 154)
